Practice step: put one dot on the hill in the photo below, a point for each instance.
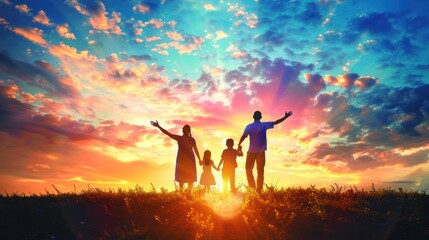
(292, 213)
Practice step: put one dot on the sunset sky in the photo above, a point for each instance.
(80, 82)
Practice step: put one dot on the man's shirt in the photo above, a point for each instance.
(258, 135)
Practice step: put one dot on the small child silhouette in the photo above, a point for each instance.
(229, 160)
(207, 178)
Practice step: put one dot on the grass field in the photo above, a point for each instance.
(292, 213)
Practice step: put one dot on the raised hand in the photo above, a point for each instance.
(154, 123)
(288, 114)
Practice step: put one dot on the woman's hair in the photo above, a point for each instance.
(207, 157)
(187, 130)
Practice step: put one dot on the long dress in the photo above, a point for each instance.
(207, 177)
(186, 169)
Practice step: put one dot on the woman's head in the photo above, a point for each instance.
(207, 157)
(186, 130)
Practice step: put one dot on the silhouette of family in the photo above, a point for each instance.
(186, 171)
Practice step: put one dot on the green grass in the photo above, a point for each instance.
(292, 213)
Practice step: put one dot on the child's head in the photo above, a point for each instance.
(207, 157)
(229, 143)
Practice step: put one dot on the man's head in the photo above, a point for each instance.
(257, 115)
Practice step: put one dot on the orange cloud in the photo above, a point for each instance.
(63, 31)
(65, 53)
(42, 18)
(98, 17)
(32, 34)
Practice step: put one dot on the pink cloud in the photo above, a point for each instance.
(175, 36)
(141, 8)
(7, 2)
(172, 24)
(153, 38)
(156, 23)
(23, 8)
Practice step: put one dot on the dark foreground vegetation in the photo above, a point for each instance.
(293, 213)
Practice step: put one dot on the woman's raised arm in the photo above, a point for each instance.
(156, 124)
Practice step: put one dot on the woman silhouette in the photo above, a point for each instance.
(186, 170)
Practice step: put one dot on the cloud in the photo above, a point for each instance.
(209, 7)
(220, 35)
(98, 19)
(42, 18)
(23, 8)
(64, 31)
(270, 37)
(141, 8)
(175, 36)
(138, 31)
(376, 133)
(155, 22)
(153, 38)
(311, 14)
(172, 24)
(32, 34)
(347, 80)
(190, 45)
(138, 40)
(315, 82)
(7, 2)
(249, 19)
(40, 74)
(366, 82)
(3, 22)
(20, 118)
(236, 53)
(67, 53)
(374, 23)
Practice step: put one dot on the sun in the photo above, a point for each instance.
(224, 205)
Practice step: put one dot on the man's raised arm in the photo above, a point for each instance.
(287, 114)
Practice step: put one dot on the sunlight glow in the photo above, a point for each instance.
(80, 179)
(225, 205)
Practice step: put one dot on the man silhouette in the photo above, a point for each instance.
(257, 147)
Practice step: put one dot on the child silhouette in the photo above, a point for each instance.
(207, 178)
(229, 160)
